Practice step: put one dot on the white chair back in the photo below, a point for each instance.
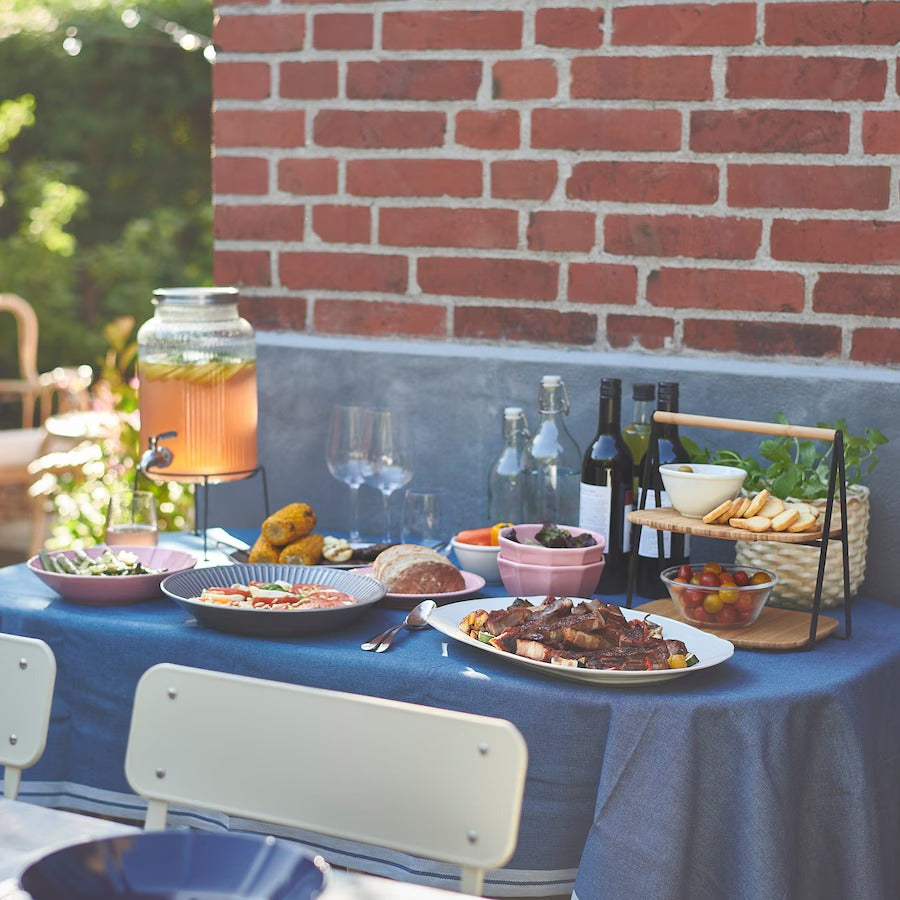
(27, 676)
(435, 783)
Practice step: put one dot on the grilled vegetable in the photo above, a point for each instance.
(304, 552)
(289, 524)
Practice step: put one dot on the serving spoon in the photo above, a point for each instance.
(415, 619)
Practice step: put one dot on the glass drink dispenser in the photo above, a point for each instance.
(197, 370)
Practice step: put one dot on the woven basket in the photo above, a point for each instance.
(798, 566)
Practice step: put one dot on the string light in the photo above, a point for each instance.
(187, 40)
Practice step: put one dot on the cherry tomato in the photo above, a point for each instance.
(712, 603)
(712, 567)
(728, 594)
(726, 579)
(759, 578)
(741, 578)
(728, 616)
(709, 579)
(699, 614)
(685, 571)
(746, 601)
(695, 578)
(692, 598)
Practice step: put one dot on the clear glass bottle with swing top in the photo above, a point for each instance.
(552, 460)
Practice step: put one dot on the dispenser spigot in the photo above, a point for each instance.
(157, 456)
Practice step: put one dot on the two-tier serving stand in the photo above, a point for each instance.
(668, 519)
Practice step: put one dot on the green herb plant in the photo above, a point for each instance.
(790, 467)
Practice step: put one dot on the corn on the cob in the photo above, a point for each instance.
(305, 552)
(288, 524)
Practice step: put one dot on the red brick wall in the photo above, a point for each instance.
(689, 178)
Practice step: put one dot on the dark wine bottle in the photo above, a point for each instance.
(676, 549)
(606, 488)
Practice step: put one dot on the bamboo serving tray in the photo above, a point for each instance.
(775, 629)
(668, 519)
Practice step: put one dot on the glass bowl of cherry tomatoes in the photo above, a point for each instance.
(719, 595)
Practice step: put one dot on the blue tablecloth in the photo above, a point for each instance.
(773, 775)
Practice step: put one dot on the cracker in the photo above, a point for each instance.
(772, 507)
(757, 503)
(717, 513)
(742, 509)
(785, 519)
(739, 523)
(757, 524)
(803, 523)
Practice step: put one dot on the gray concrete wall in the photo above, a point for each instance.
(455, 394)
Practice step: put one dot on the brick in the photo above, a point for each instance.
(524, 79)
(769, 131)
(642, 332)
(259, 128)
(241, 81)
(239, 175)
(343, 31)
(274, 313)
(309, 80)
(556, 230)
(379, 128)
(881, 131)
(602, 283)
(809, 187)
(436, 79)
(824, 24)
(509, 279)
(726, 289)
(644, 182)
(606, 129)
(694, 236)
(642, 78)
(523, 179)
(308, 176)
(771, 339)
(861, 243)
(805, 78)
(414, 177)
(342, 224)
(259, 34)
(452, 30)
(442, 227)
(685, 24)
(488, 129)
(857, 294)
(333, 271)
(258, 223)
(242, 268)
(536, 326)
(569, 27)
(373, 317)
(880, 346)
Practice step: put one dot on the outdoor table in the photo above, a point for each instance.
(773, 774)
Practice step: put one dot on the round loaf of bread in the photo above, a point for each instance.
(411, 569)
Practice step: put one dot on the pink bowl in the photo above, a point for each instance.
(116, 590)
(534, 554)
(522, 579)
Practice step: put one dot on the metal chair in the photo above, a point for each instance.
(431, 782)
(28, 675)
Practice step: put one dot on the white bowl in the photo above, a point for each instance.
(479, 559)
(702, 489)
(523, 580)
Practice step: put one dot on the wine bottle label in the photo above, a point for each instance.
(626, 529)
(648, 545)
(595, 508)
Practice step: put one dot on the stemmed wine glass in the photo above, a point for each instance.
(388, 457)
(346, 455)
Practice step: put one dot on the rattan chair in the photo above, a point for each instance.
(430, 782)
(27, 676)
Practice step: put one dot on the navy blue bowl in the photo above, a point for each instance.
(164, 865)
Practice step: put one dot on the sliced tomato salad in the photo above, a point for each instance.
(277, 595)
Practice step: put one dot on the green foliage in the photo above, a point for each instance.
(104, 167)
(798, 468)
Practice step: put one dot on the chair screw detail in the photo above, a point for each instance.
(172, 693)
(483, 748)
(13, 739)
(23, 663)
(160, 773)
(472, 835)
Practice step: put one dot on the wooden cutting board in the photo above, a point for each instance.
(667, 519)
(775, 629)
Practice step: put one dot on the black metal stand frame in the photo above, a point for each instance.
(837, 478)
(203, 483)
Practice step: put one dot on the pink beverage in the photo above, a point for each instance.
(212, 407)
(131, 536)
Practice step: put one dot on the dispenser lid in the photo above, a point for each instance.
(512, 412)
(195, 296)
